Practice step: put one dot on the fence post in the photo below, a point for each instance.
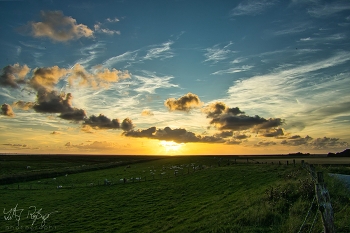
(324, 204)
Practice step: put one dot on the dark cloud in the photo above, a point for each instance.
(273, 133)
(297, 140)
(325, 143)
(6, 110)
(53, 102)
(127, 124)
(318, 143)
(225, 118)
(57, 27)
(264, 143)
(184, 103)
(168, 134)
(224, 134)
(103, 122)
(216, 109)
(241, 136)
(13, 75)
(233, 141)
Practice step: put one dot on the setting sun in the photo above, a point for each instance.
(171, 146)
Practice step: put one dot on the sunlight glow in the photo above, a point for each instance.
(171, 146)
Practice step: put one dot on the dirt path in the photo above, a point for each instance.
(344, 178)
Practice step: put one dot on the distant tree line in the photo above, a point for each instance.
(345, 153)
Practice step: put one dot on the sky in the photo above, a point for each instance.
(174, 77)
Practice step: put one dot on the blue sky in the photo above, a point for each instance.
(175, 77)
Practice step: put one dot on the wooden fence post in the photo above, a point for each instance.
(324, 204)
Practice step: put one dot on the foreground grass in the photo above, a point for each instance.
(225, 198)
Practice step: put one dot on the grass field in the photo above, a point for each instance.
(172, 194)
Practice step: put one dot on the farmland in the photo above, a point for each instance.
(165, 194)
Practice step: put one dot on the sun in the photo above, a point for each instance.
(171, 146)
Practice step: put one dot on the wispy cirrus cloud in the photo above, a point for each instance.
(233, 70)
(150, 82)
(162, 51)
(252, 7)
(216, 54)
(326, 10)
(289, 86)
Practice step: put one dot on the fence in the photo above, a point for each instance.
(322, 197)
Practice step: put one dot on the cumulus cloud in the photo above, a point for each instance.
(225, 118)
(147, 112)
(100, 76)
(53, 102)
(273, 133)
(103, 122)
(224, 134)
(177, 135)
(127, 124)
(58, 27)
(184, 103)
(168, 134)
(6, 110)
(23, 105)
(265, 143)
(325, 143)
(46, 77)
(13, 75)
(318, 143)
(216, 109)
(297, 140)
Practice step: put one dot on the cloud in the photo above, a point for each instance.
(13, 75)
(330, 9)
(325, 143)
(152, 82)
(252, 7)
(113, 20)
(233, 70)
(273, 133)
(167, 134)
(53, 102)
(216, 109)
(103, 122)
(318, 143)
(225, 118)
(184, 103)
(46, 77)
(6, 110)
(96, 145)
(265, 143)
(147, 112)
(23, 105)
(127, 124)
(100, 77)
(297, 140)
(98, 28)
(216, 54)
(58, 27)
(224, 134)
(162, 51)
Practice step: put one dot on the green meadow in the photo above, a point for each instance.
(163, 194)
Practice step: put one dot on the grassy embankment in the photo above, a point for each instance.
(227, 198)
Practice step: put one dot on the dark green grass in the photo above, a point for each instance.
(225, 198)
